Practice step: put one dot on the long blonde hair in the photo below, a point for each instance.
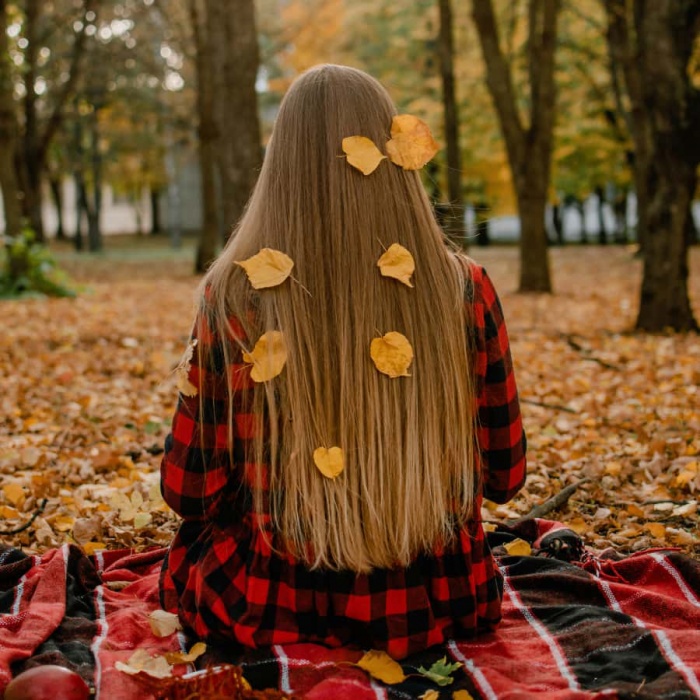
(409, 443)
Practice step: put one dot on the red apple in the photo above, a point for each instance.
(47, 683)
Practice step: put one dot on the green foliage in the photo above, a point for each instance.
(28, 268)
(441, 671)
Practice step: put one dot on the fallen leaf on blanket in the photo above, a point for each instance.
(381, 666)
(182, 371)
(268, 356)
(268, 268)
(441, 671)
(578, 525)
(142, 662)
(518, 548)
(392, 354)
(362, 154)
(462, 695)
(179, 657)
(397, 262)
(430, 695)
(164, 623)
(330, 462)
(411, 145)
(656, 530)
(490, 527)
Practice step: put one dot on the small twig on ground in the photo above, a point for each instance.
(553, 406)
(37, 512)
(556, 501)
(587, 354)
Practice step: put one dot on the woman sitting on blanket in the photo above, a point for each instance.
(338, 426)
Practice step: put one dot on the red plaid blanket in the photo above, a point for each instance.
(574, 626)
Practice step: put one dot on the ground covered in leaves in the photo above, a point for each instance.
(88, 393)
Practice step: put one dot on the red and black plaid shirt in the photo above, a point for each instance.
(226, 583)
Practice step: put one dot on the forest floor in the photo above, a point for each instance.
(88, 393)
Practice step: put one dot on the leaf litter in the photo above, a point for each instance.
(89, 390)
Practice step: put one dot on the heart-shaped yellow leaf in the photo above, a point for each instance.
(397, 262)
(392, 354)
(362, 153)
(518, 548)
(381, 666)
(411, 145)
(268, 356)
(330, 462)
(269, 268)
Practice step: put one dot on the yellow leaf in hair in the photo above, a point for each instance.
(330, 462)
(362, 153)
(381, 666)
(518, 548)
(397, 262)
(269, 268)
(182, 371)
(392, 354)
(268, 356)
(411, 145)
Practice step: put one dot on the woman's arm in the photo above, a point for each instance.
(500, 430)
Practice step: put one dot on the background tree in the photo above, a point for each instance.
(529, 145)
(651, 45)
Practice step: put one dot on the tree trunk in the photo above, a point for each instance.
(95, 210)
(455, 225)
(602, 230)
(208, 134)
(8, 136)
(55, 184)
(154, 196)
(529, 148)
(235, 52)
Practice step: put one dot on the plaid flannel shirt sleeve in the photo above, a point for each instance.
(196, 467)
(500, 431)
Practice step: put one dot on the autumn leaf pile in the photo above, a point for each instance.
(89, 386)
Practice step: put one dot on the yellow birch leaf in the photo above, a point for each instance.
(182, 371)
(142, 520)
(91, 547)
(164, 623)
(430, 695)
(635, 510)
(518, 548)
(178, 657)
(381, 666)
(613, 468)
(392, 354)
(657, 530)
(9, 512)
(141, 661)
(411, 145)
(14, 493)
(397, 262)
(268, 268)
(63, 523)
(462, 695)
(268, 356)
(330, 462)
(362, 153)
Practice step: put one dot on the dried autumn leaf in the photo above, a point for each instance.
(268, 356)
(518, 548)
(397, 262)
(657, 530)
(268, 268)
(392, 354)
(430, 695)
(362, 153)
(14, 493)
(411, 145)
(462, 695)
(182, 371)
(142, 662)
(178, 657)
(163, 623)
(330, 462)
(381, 666)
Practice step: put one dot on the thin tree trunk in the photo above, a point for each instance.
(8, 136)
(529, 148)
(94, 212)
(56, 195)
(154, 196)
(207, 131)
(602, 230)
(456, 225)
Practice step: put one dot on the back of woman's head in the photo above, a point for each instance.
(409, 441)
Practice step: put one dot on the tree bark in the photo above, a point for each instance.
(529, 148)
(55, 184)
(8, 136)
(208, 134)
(235, 53)
(455, 224)
(660, 35)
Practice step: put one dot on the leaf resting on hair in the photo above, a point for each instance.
(362, 153)
(411, 145)
(330, 462)
(268, 356)
(392, 354)
(268, 268)
(397, 262)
